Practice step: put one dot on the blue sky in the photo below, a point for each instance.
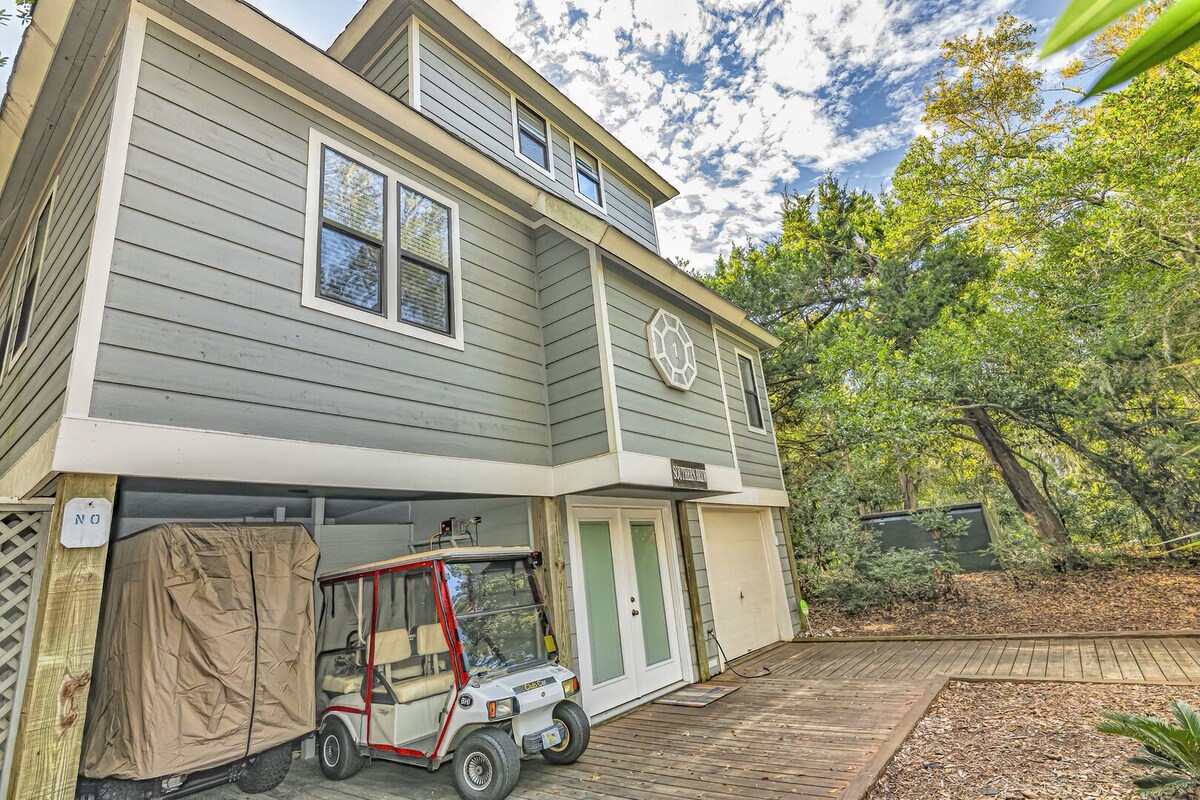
(734, 101)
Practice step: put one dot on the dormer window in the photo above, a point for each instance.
(587, 177)
(533, 136)
(381, 248)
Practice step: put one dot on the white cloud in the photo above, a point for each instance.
(732, 99)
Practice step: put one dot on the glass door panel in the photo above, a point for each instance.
(600, 597)
(651, 602)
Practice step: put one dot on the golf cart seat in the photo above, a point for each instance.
(393, 654)
(431, 643)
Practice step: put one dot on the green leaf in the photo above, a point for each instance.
(1176, 29)
(1083, 17)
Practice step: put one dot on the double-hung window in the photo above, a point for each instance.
(753, 402)
(381, 248)
(587, 176)
(533, 135)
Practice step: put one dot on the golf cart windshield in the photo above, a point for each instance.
(500, 622)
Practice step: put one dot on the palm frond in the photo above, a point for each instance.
(1172, 750)
(1189, 718)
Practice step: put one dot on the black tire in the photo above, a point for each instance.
(579, 733)
(337, 751)
(486, 765)
(267, 770)
(116, 789)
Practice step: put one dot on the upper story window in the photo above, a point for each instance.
(381, 248)
(533, 135)
(588, 183)
(753, 402)
(18, 308)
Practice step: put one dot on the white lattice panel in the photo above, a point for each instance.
(18, 556)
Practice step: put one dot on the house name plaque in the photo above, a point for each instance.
(688, 475)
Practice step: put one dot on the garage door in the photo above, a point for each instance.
(740, 581)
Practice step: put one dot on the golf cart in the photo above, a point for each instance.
(441, 655)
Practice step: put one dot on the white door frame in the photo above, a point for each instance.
(783, 617)
(679, 598)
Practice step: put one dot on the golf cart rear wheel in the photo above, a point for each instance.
(486, 765)
(337, 751)
(579, 733)
(267, 770)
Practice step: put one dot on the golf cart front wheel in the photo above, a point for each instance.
(486, 765)
(337, 751)
(579, 733)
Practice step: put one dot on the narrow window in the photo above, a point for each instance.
(424, 261)
(754, 415)
(533, 137)
(587, 176)
(352, 233)
(4, 343)
(23, 318)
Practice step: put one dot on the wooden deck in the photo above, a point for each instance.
(1115, 659)
(824, 723)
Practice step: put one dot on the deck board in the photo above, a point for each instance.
(821, 725)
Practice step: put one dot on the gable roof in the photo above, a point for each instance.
(238, 26)
(359, 42)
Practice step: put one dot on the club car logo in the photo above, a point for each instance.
(529, 687)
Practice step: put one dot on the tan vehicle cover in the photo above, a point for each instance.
(206, 650)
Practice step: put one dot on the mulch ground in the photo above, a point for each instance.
(1125, 598)
(1016, 741)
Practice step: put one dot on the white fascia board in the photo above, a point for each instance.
(142, 450)
(751, 496)
(34, 469)
(137, 449)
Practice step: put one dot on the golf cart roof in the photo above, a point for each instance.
(445, 554)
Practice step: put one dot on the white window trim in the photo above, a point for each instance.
(390, 319)
(755, 370)
(414, 62)
(516, 128)
(602, 206)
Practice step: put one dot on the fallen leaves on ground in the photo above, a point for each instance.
(1126, 598)
(1022, 741)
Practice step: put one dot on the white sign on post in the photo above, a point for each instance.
(86, 522)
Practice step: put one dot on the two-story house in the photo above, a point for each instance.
(371, 289)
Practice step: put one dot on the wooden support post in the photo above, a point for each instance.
(785, 517)
(699, 635)
(50, 732)
(548, 536)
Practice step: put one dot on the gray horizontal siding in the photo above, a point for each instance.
(757, 455)
(629, 210)
(204, 326)
(656, 419)
(32, 393)
(789, 586)
(702, 590)
(390, 71)
(575, 391)
(472, 105)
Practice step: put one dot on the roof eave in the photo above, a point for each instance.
(504, 58)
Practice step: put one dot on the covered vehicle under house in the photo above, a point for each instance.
(378, 291)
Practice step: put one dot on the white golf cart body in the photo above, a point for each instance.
(442, 643)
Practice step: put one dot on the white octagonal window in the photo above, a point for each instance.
(672, 350)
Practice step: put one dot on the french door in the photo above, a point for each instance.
(624, 605)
